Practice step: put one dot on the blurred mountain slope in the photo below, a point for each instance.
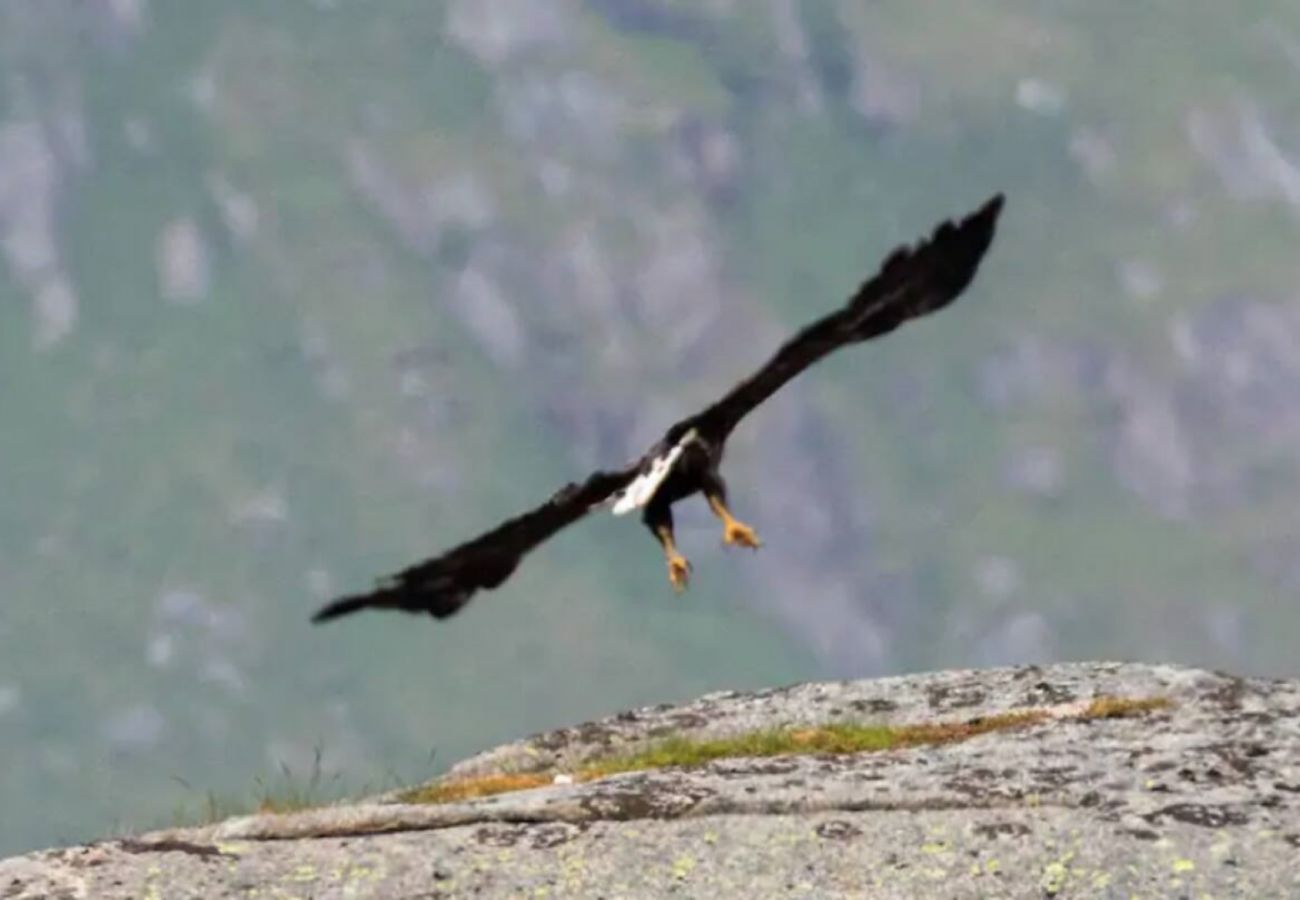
(293, 294)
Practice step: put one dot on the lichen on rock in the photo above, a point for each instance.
(1071, 780)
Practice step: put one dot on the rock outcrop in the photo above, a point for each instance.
(1073, 780)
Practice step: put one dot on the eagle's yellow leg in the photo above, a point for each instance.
(679, 567)
(733, 530)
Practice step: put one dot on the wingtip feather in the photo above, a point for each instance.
(991, 209)
(341, 607)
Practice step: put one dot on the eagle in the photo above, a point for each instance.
(912, 282)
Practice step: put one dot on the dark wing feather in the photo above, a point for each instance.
(911, 283)
(443, 585)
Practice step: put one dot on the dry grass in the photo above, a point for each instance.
(1124, 707)
(481, 786)
(843, 738)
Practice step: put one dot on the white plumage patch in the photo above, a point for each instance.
(643, 487)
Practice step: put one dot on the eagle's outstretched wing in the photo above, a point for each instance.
(912, 282)
(443, 585)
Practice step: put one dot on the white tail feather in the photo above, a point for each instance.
(643, 487)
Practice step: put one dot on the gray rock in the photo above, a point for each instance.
(1037, 470)
(573, 110)
(884, 94)
(497, 31)
(490, 317)
(1202, 798)
(11, 696)
(30, 180)
(1094, 151)
(1151, 451)
(135, 729)
(184, 269)
(55, 310)
(792, 44)
(1040, 96)
(421, 211)
(1244, 152)
(239, 211)
(127, 18)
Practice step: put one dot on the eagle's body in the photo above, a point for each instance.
(911, 283)
(664, 462)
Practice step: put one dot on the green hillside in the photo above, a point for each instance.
(292, 294)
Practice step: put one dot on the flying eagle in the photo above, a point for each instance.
(911, 283)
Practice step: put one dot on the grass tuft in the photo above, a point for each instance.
(839, 739)
(480, 786)
(288, 792)
(686, 752)
(1124, 707)
(291, 793)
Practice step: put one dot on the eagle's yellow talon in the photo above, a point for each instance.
(679, 573)
(740, 534)
(733, 531)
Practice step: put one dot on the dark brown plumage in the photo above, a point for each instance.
(911, 283)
